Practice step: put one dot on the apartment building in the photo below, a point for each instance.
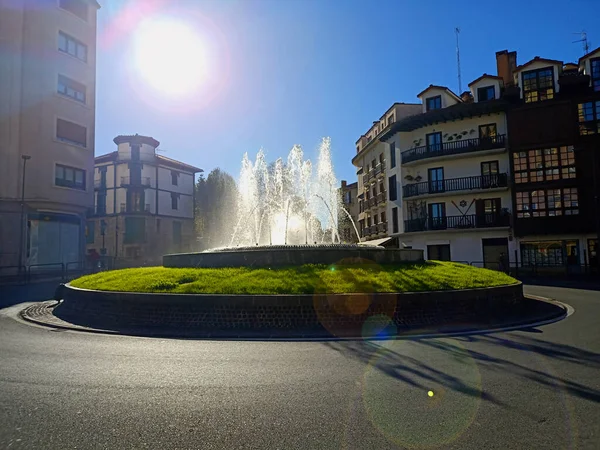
(348, 216)
(144, 203)
(453, 168)
(554, 139)
(47, 116)
(377, 193)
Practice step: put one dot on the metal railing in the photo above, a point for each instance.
(494, 181)
(130, 209)
(381, 198)
(454, 148)
(488, 220)
(133, 181)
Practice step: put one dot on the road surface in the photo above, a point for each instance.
(538, 388)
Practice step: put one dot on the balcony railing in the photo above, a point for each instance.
(381, 197)
(382, 227)
(379, 169)
(132, 181)
(499, 180)
(142, 209)
(488, 220)
(454, 148)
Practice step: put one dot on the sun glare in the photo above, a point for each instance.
(170, 56)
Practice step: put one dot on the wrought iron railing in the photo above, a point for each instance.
(499, 180)
(454, 148)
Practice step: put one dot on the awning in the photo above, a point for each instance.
(377, 242)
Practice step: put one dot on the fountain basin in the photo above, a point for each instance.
(292, 255)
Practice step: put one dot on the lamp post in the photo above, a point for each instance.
(21, 222)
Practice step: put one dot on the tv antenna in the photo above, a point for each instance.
(457, 32)
(161, 150)
(584, 41)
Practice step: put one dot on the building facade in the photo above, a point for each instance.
(47, 116)
(144, 203)
(377, 192)
(348, 216)
(554, 138)
(454, 172)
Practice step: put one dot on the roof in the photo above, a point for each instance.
(444, 88)
(136, 138)
(376, 242)
(384, 115)
(587, 55)
(162, 160)
(485, 75)
(350, 186)
(454, 112)
(538, 59)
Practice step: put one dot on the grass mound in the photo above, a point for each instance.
(307, 279)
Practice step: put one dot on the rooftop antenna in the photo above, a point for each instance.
(161, 150)
(457, 32)
(584, 41)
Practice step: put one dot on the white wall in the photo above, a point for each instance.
(447, 99)
(185, 183)
(185, 205)
(485, 82)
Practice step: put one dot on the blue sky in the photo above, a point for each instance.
(290, 72)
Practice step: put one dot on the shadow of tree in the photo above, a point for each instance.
(417, 372)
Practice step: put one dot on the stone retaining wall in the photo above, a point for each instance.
(274, 256)
(339, 314)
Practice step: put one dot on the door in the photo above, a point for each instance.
(436, 180)
(434, 142)
(487, 212)
(487, 134)
(495, 254)
(572, 251)
(592, 245)
(489, 174)
(437, 216)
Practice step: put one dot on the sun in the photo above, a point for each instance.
(170, 56)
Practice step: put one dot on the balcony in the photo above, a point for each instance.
(488, 220)
(379, 169)
(382, 227)
(454, 148)
(133, 210)
(480, 182)
(133, 181)
(372, 202)
(381, 197)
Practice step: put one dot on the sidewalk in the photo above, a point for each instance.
(32, 292)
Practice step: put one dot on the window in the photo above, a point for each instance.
(174, 177)
(71, 132)
(72, 46)
(348, 197)
(487, 131)
(434, 142)
(546, 253)
(69, 177)
(491, 205)
(489, 168)
(71, 88)
(375, 219)
(437, 215)
(547, 203)
(538, 85)
(135, 230)
(436, 179)
(373, 163)
(392, 155)
(383, 217)
(595, 73)
(556, 163)
(394, 220)
(438, 252)
(101, 203)
(589, 118)
(368, 221)
(374, 190)
(486, 93)
(174, 200)
(177, 233)
(433, 103)
(77, 7)
(89, 232)
(135, 200)
(392, 188)
(390, 120)
(381, 188)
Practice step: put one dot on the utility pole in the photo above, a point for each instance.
(22, 220)
(457, 32)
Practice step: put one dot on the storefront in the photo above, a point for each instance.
(53, 238)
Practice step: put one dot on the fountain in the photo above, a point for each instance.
(287, 214)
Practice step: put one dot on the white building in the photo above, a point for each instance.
(377, 192)
(144, 202)
(453, 167)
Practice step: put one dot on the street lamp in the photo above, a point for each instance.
(21, 222)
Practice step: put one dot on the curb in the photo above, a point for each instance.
(39, 312)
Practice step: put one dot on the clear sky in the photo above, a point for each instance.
(285, 72)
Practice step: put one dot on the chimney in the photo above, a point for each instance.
(343, 184)
(466, 97)
(506, 63)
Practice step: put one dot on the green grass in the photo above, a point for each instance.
(308, 279)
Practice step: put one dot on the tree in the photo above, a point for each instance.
(216, 205)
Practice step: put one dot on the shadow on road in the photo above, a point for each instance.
(34, 292)
(419, 372)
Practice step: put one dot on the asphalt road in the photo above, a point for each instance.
(538, 388)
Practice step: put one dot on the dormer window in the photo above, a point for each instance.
(433, 103)
(538, 85)
(486, 93)
(595, 73)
